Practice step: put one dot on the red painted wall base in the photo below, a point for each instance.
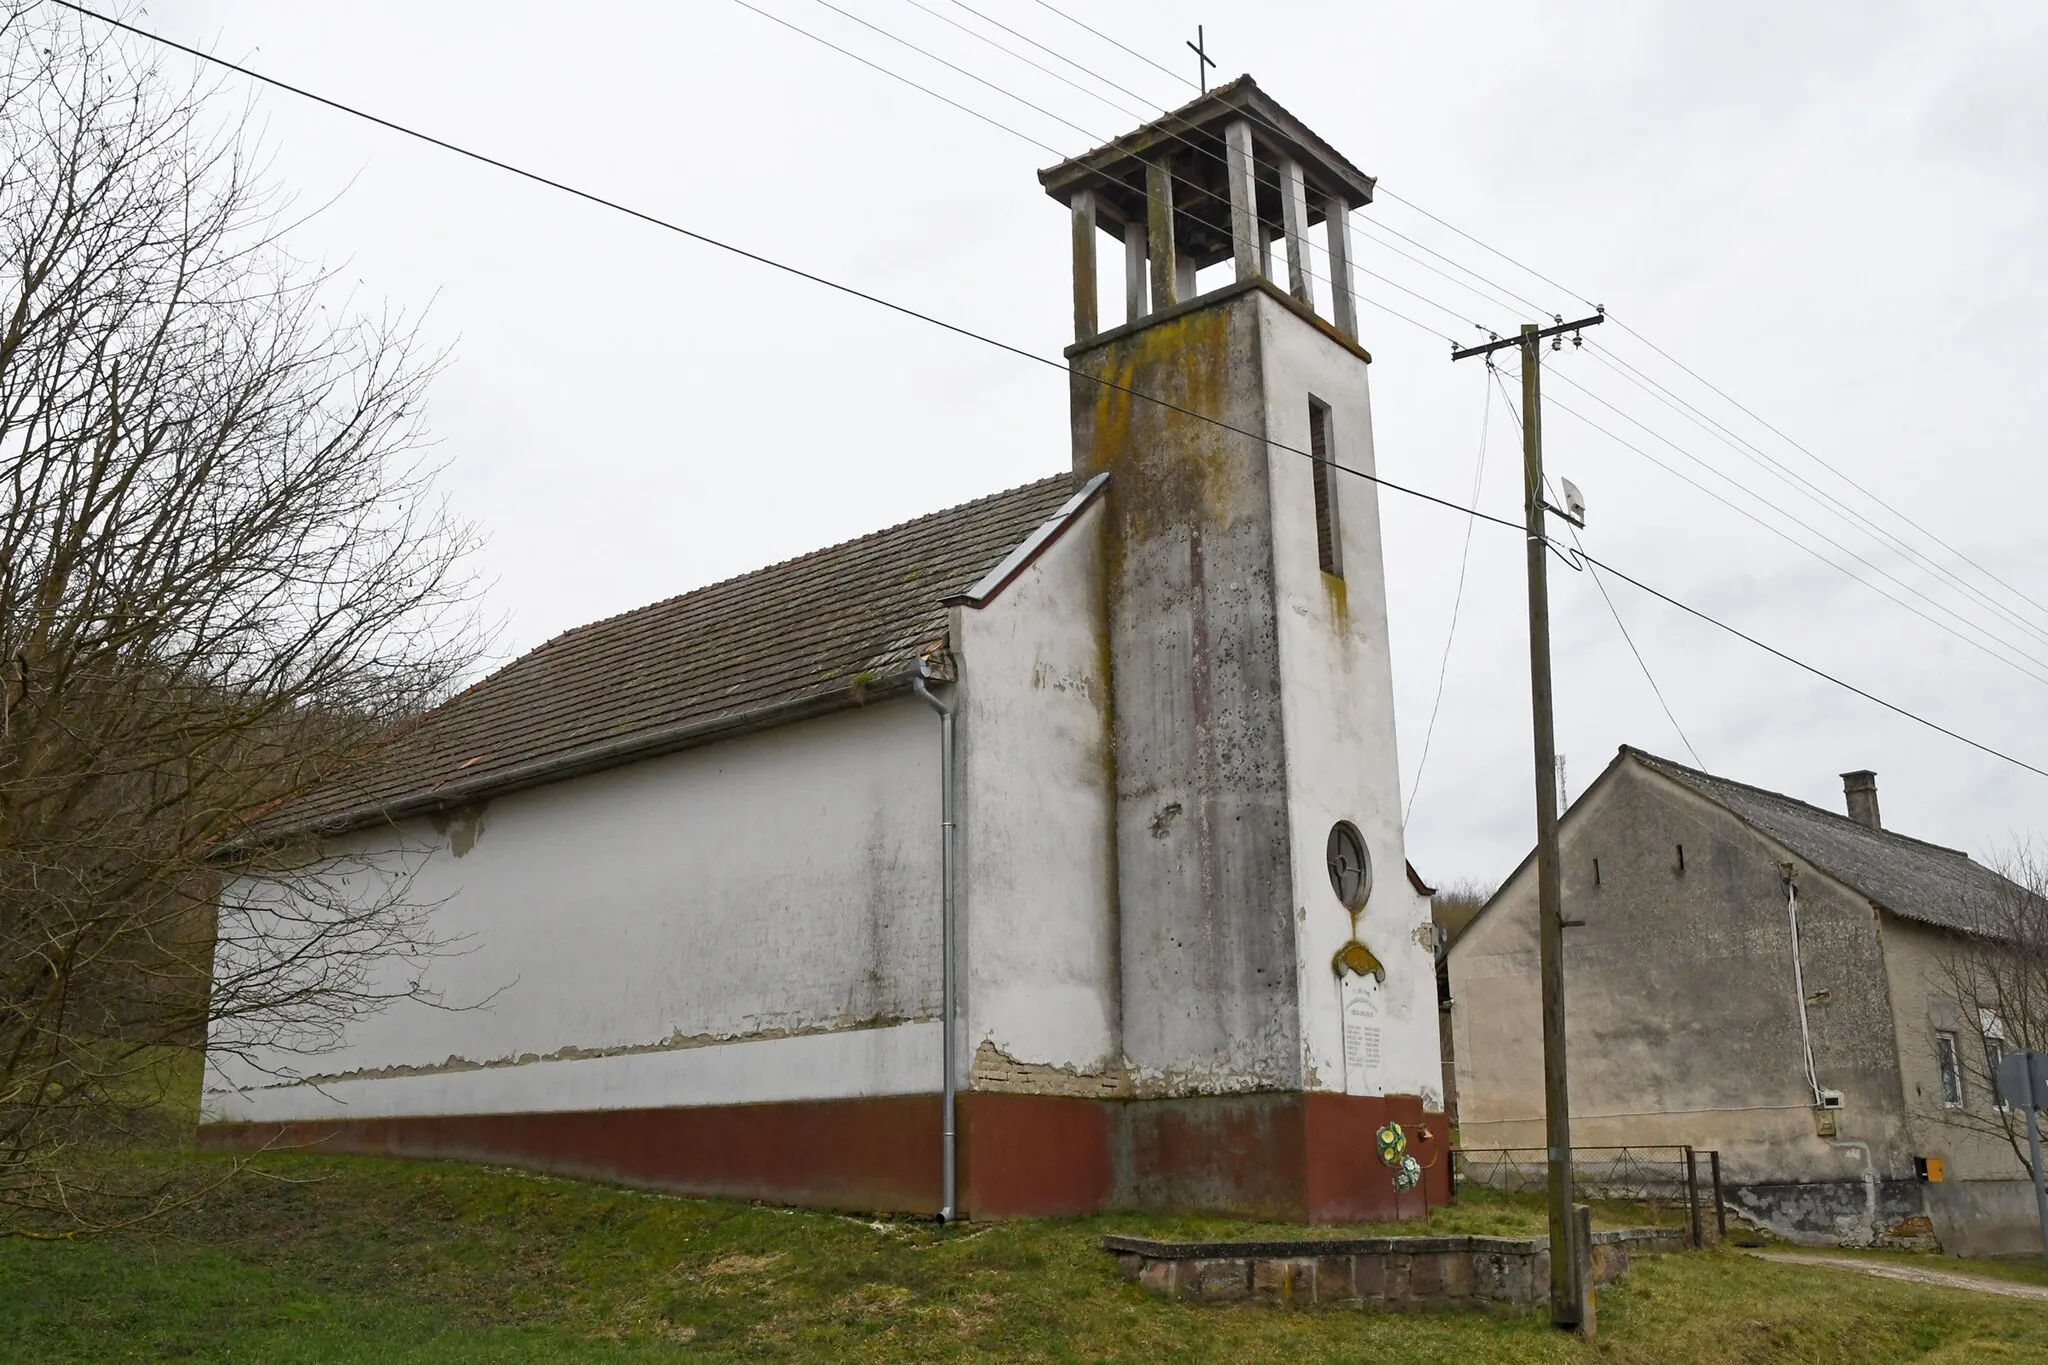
(1288, 1156)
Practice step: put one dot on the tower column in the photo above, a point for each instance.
(1159, 232)
(1134, 269)
(1083, 205)
(1294, 220)
(1343, 303)
(1244, 202)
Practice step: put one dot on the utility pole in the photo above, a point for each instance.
(1569, 1256)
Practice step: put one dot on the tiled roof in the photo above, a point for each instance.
(809, 635)
(1909, 877)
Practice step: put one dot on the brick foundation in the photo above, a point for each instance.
(1291, 1157)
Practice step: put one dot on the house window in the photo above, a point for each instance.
(1949, 1061)
(1329, 549)
(1993, 1030)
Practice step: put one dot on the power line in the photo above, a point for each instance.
(821, 40)
(1612, 610)
(797, 271)
(1811, 530)
(1043, 4)
(1424, 298)
(1012, 52)
(1007, 347)
(1832, 469)
(1457, 600)
(1057, 55)
(1307, 267)
(1820, 673)
(1380, 188)
(1910, 552)
(1755, 455)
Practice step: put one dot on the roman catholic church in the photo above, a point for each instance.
(1040, 855)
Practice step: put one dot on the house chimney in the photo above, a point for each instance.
(1860, 789)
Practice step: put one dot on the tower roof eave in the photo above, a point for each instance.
(1272, 126)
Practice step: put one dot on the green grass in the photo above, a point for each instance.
(327, 1259)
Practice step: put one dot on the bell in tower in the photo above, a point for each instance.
(1277, 987)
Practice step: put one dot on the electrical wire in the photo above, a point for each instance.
(798, 272)
(1824, 464)
(1810, 530)
(871, 65)
(1044, 4)
(1755, 455)
(1457, 600)
(1820, 673)
(1012, 52)
(1433, 303)
(1308, 267)
(1368, 225)
(1870, 527)
(1007, 347)
(1621, 625)
(1380, 188)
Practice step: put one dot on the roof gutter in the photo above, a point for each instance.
(592, 758)
(949, 1165)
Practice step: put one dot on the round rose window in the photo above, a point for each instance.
(1350, 866)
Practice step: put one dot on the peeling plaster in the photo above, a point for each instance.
(675, 1042)
(996, 1070)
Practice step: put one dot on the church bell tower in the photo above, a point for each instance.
(1278, 1000)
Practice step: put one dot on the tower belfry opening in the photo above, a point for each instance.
(1226, 177)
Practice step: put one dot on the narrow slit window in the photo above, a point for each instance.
(1329, 546)
(1949, 1063)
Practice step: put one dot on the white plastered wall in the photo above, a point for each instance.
(752, 920)
(1037, 815)
(1336, 673)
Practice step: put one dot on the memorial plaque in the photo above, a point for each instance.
(1363, 1069)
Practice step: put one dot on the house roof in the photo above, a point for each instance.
(822, 632)
(1909, 877)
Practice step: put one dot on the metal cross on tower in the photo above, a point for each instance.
(1203, 61)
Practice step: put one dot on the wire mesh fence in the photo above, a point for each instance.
(1663, 1179)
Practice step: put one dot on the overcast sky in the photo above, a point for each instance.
(1836, 214)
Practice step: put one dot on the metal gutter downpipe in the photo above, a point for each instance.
(949, 1165)
(1791, 875)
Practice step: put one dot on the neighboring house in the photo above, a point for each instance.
(694, 851)
(1684, 1023)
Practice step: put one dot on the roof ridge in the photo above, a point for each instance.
(833, 622)
(807, 555)
(1836, 816)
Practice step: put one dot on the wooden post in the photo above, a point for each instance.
(1083, 205)
(1159, 232)
(1567, 1257)
(1582, 1229)
(1720, 1206)
(1134, 269)
(1692, 1194)
(1568, 1296)
(1343, 304)
(1244, 200)
(1294, 221)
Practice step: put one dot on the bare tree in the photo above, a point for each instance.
(1458, 903)
(223, 579)
(1997, 979)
